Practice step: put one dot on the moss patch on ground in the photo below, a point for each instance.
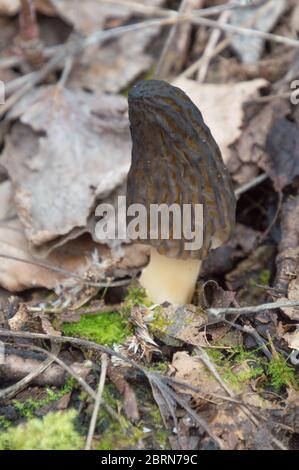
(27, 408)
(275, 374)
(104, 328)
(56, 431)
(120, 434)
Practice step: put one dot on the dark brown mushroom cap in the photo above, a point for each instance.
(175, 159)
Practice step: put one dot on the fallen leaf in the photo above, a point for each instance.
(261, 18)
(295, 19)
(69, 158)
(190, 369)
(250, 148)
(281, 160)
(113, 67)
(75, 256)
(9, 7)
(175, 326)
(222, 107)
(129, 396)
(226, 420)
(287, 265)
(214, 296)
(292, 339)
(92, 15)
(177, 43)
(223, 259)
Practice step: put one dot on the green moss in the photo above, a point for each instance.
(56, 431)
(227, 364)
(265, 276)
(115, 435)
(27, 408)
(216, 355)
(118, 438)
(160, 322)
(122, 435)
(159, 366)
(105, 328)
(160, 434)
(134, 298)
(277, 373)
(281, 374)
(4, 423)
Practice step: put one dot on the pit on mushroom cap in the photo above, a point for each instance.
(175, 160)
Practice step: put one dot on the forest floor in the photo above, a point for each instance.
(86, 361)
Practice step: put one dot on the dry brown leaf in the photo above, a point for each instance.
(113, 67)
(295, 19)
(281, 160)
(226, 420)
(249, 150)
(9, 7)
(191, 370)
(287, 261)
(262, 18)
(292, 339)
(89, 16)
(222, 107)
(75, 256)
(223, 259)
(70, 156)
(177, 43)
(180, 325)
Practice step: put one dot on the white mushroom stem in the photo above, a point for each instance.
(169, 279)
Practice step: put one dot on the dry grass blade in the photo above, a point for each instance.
(171, 396)
(98, 401)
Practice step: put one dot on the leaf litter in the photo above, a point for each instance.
(66, 147)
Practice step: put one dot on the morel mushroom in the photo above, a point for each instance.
(175, 160)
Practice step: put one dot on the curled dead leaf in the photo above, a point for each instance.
(222, 107)
(70, 156)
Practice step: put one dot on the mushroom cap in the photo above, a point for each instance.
(175, 160)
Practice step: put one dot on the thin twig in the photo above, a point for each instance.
(251, 184)
(248, 23)
(209, 11)
(203, 356)
(75, 341)
(11, 391)
(97, 347)
(251, 331)
(16, 60)
(98, 401)
(67, 69)
(97, 38)
(66, 273)
(219, 313)
(36, 79)
(210, 47)
(87, 388)
(169, 395)
(163, 66)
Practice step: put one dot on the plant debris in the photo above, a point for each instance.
(86, 359)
